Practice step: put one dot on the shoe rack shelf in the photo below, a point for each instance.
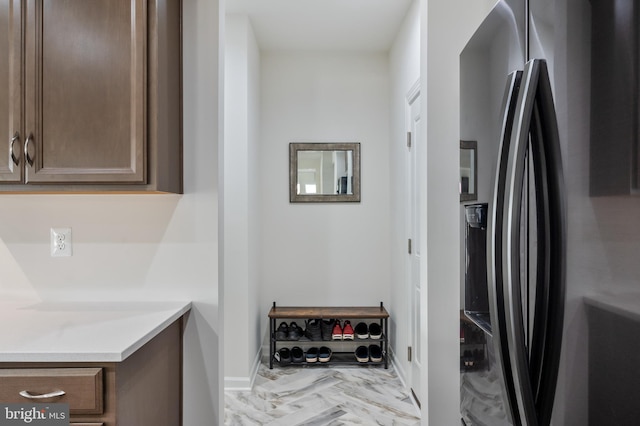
(343, 351)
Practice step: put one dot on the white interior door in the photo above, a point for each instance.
(414, 241)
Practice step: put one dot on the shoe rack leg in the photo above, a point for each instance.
(272, 343)
(386, 343)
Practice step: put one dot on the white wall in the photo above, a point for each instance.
(446, 26)
(404, 62)
(241, 208)
(141, 247)
(324, 254)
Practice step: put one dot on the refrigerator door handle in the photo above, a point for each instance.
(511, 265)
(535, 365)
(551, 235)
(495, 247)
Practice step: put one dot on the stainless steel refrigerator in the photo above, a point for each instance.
(549, 91)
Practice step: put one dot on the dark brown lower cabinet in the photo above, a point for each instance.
(143, 390)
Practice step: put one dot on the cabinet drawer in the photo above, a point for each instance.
(82, 387)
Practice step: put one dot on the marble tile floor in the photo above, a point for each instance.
(319, 396)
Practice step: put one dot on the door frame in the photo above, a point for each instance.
(412, 231)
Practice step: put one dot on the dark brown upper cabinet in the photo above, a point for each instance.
(91, 95)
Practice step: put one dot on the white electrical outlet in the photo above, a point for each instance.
(61, 242)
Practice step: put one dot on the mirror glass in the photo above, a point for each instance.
(324, 172)
(468, 170)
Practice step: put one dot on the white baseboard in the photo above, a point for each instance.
(398, 367)
(403, 379)
(237, 384)
(244, 383)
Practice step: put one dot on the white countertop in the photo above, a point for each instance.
(625, 304)
(81, 331)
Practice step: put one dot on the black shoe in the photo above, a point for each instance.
(327, 328)
(362, 354)
(285, 356)
(313, 330)
(281, 332)
(362, 331)
(294, 332)
(324, 354)
(297, 354)
(375, 331)
(468, 358)
(312, 355)
(375, 353)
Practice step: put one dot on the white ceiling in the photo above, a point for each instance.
(362, 25)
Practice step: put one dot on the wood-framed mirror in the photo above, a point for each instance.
(468, 184)
(324, 172)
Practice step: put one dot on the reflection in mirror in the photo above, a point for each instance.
(324, 172)
(468, 170)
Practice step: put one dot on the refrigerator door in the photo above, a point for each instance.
(495, 51)
(489, 397)
(495, 250)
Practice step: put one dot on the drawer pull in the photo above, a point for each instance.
(53, 394)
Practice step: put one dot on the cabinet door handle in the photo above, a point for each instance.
(29, 395)
(16, 137)
(27, 157)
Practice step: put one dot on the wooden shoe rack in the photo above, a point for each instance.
(343, 351)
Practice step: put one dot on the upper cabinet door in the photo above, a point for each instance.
(85, 91)
(11, 137)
